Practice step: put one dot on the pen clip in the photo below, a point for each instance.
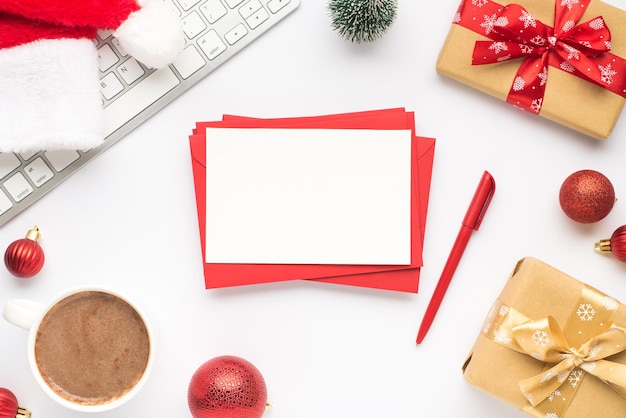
(480, 202)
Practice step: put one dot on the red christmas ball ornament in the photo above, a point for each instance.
(24, 258)
(616, 245)
(227, 387)
(587, 196)
(9, 407)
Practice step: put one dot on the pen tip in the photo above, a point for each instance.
(421, 334)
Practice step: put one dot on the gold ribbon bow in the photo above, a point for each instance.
(545, 341)
(588, 338)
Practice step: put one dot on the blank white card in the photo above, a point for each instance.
(308, 196)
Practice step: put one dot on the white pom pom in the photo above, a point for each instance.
(153, 34)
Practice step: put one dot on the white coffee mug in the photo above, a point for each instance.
(89, 314)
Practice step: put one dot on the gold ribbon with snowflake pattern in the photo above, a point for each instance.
(589, 337)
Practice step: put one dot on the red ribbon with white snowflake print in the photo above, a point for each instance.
(514, 33)
(581, 347)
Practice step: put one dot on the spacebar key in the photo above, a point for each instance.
(138, 98)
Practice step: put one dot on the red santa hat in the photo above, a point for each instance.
(49, 80)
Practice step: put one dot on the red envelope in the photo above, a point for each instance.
(400, 278)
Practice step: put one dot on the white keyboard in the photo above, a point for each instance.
(215, 31)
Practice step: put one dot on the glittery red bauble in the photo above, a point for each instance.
(227, 387)
(587, 196)
(24, 258)
(8, 404)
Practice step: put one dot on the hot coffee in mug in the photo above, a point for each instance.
(90, 350)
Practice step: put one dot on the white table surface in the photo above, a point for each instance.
(128, 221)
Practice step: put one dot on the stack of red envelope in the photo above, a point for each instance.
(390, 277)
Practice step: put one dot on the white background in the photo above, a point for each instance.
(128, 221)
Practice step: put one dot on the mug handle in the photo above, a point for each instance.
(22, 312)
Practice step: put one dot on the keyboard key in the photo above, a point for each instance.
(257, 18)
(142, 95)
(276, 5)
(104, 33)
(18, 187)
(188, 62)
(8, 163)
(60, 159)
(213, 10)
(193, 25)
(118, 47)
(211, 44)
(110, 85)
(233, 3)
(249, 8)
(172, 6)
(5, 203)
(187, 4)
(38, 172)
(236, 34)
(130, 70)
(27, 155)
(106, 57)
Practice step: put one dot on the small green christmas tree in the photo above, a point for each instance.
(362, 20)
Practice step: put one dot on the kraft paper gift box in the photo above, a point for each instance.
(522, 357)
(554, 60)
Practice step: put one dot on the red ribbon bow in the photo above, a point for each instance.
(580, 49)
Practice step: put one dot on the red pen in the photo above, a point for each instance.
(471, 223)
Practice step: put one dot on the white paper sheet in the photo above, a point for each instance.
(308, 196)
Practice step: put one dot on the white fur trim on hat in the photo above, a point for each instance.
(50, 96)
(153, 34)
